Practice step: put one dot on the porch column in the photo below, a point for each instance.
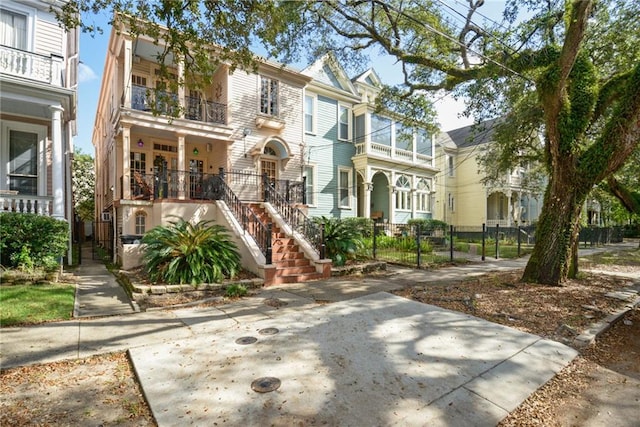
(182, 168)
(126, 162)
(510, 209)
(128, 58)
(181, 88)
(57, 162)
(368, 188)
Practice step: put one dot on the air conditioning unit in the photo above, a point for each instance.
(106, 216)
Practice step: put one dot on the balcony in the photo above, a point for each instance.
(28, 65)
(11, 201)
(391, 153)
(196, 109)
(186, 185)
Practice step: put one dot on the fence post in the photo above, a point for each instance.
(288, 187)
(323, 246)
(497, 238)
(451, 242)
(519, 240)
(418, 244)
(269, 251)
(304, 190)
(484, 235)
(265, 190)
(221, 173)
(375, 235)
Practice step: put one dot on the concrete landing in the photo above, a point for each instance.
(373, 360)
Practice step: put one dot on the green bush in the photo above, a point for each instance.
(364, 226)
(342, 239)
(235, 291)
(427, 225)
(188, 253)
(32, 241)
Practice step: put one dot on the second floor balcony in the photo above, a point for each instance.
(29, 65)
(194, 108)
(386, 152)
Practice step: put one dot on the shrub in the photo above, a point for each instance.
(364, 226)
(188, 253)
(32, 241)
(342, 239)
(235, 291)
(427, 225)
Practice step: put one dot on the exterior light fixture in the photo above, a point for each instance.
(195, 151)
(140, 142)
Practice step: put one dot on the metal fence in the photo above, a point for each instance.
(410, 245)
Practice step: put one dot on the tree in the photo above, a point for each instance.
(570, 70)
(575, 79)
(83, 180)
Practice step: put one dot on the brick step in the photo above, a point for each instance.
(294, 271)
(285, 241)
(297, 278)
(296, 262)
(281, 256)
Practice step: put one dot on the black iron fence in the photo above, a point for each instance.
(420, 247)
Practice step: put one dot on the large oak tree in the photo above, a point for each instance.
(571, 70)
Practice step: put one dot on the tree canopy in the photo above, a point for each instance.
(569, 70)
(83, 185)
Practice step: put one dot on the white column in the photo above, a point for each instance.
(181, 167)
(181, 88)
(57, 162)
(128, 58)
(126, 162)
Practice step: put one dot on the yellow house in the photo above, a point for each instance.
(461, 197)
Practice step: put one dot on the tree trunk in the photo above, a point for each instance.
(553, 259)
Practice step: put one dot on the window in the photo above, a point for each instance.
(268, 96)
(344, 122)
(344, 187)
(23, 162)
(309, 174)
(450, 203)
(141, 222)
(309, 113)
(13, 29)
(424, 143)
(404, 137)
(380, 130)
(140, 183)
(450, 163)
(423, 196)
(403, 193)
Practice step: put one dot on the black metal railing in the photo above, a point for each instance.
(260, 232)
(294, 217)
(197, 109)
(249, 186)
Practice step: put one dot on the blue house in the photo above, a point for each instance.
(357, 162)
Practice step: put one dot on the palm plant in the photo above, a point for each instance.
(188, 253)
(342, 239)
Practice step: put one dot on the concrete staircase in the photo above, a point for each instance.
(291, 265)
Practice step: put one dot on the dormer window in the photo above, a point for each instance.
(269, 94)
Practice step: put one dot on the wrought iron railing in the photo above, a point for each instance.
(205, 111)
(311, 231)
(249, 186)
(260, 232)
(197, 109)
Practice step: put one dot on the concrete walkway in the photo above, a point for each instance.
(370, 358)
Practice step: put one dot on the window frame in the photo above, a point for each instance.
(451, 165)
(402, 199)
(423, 195)
(310, 189)
(41, 164)
(344, 107)
(314, 108)
(341, 187)
(143, 215)
(269, 96)
(29, 14)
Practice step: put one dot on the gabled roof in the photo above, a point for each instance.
(328, 71)
(469, 136)
(369, 77)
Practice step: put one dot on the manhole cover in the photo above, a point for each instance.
(268, 331)
(265, 384)
(246, 340)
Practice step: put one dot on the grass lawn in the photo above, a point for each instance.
(36, 303)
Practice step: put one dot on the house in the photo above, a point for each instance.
(230, 151)
(38, 78)
(360, 163)
(463, 200)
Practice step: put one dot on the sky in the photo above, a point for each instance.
(93, 50)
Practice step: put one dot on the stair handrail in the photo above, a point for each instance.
(217, 189)
(292, 215)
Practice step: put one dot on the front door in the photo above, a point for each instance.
(270, 169)
(196, 171)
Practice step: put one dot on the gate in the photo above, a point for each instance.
(102, 239)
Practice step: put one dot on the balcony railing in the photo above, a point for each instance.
(40, 205)
(16, 62)
(388, 152)
(197, 109)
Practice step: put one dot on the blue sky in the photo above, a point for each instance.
(92, 57)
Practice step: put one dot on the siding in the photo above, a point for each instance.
(49, 38)
(327, 154)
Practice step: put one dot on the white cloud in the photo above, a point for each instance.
(85, 73)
